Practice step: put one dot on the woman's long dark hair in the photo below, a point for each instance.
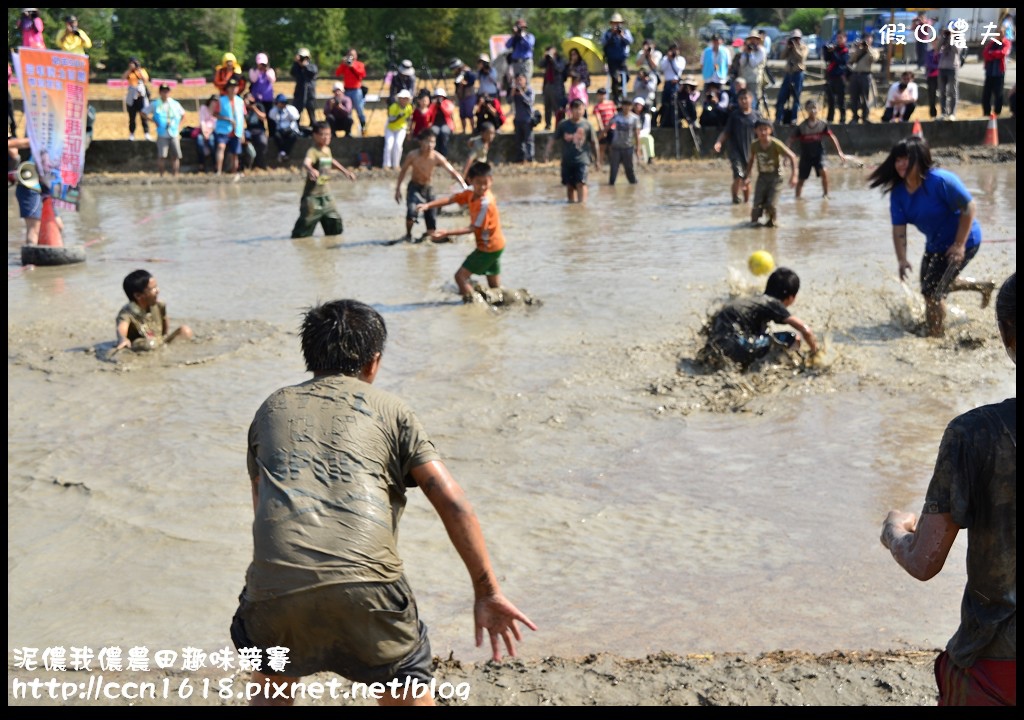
(913, 147)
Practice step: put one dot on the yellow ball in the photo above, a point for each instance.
(761, 262)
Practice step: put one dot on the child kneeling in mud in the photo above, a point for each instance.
(740, 329)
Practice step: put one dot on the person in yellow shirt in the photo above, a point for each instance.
(399, 115)
(72, 38)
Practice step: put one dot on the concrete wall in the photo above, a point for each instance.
(140, 156)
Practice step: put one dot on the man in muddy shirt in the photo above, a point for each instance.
(330, 462)
(974, 486)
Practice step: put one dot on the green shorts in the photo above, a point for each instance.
(370, 632)
(484, 263)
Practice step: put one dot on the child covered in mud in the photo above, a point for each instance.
(739, 331)
(317, 204)
(485, 225)
(142, 323)
(769, 153)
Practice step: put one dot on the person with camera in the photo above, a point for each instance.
(261, 82)
(578, 75)
(442, 118)
(901, 99)
(649, 59)
(863, 56)
(616, 41)
(71, 38)
(672, 66)
(837, 59)
(488, 110)
(714, 105)
(338, 111)
(794, 54)
(305, 72)
(30, 25)
(465, 93)
(404, 79)
(523, 118)
(137, 96)
(553, 88)
(750, 65)
(487, 77)
(520, 49)
(352, 73)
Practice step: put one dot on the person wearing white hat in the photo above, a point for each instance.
(404, 79)
(442, 118)
(642, 110)
(396, 127)
(305, 72)
(487, 77)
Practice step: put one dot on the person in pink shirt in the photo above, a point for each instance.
(31, 26)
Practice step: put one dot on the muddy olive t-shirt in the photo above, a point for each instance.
(975, 480)
(143, 324)
(333, 456)
(322, 160)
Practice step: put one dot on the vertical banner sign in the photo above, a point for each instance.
(53, 90)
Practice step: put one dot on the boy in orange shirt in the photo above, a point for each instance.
(485, 224)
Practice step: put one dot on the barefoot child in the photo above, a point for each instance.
(422, 162)
(317, 205)
(810, 134)
(485, 225)
(769, 153)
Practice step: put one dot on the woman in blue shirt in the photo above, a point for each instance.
(937, 203)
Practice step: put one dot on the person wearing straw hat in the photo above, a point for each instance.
(794, 54)
(750, 64)
(616, 41)
(688, 100)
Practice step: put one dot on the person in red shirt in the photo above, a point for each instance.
(442, 118)
(994, 56)
(352, 73)
(604, 111)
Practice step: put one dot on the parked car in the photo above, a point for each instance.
(739, 33)
(810, 41)
(813, 44)
(714, 27)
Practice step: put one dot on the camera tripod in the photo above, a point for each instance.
(392, 70)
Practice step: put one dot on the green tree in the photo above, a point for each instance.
(807, 19)
(279, 32)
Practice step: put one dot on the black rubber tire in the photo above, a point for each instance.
(50, 255)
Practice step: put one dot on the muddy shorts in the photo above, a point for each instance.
(368, 632)
(317, 209)
(811, 162)
(987, 682)
(745, 350)
(483, 263)
(739, 167)
(766, 192)
(574, 174)
(934, 266)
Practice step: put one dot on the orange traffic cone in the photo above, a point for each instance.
(49, 231)
(992, 131)
(917, 129)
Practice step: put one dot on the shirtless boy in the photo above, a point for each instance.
(422, 162)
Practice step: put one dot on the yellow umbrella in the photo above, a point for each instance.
(590, 51)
